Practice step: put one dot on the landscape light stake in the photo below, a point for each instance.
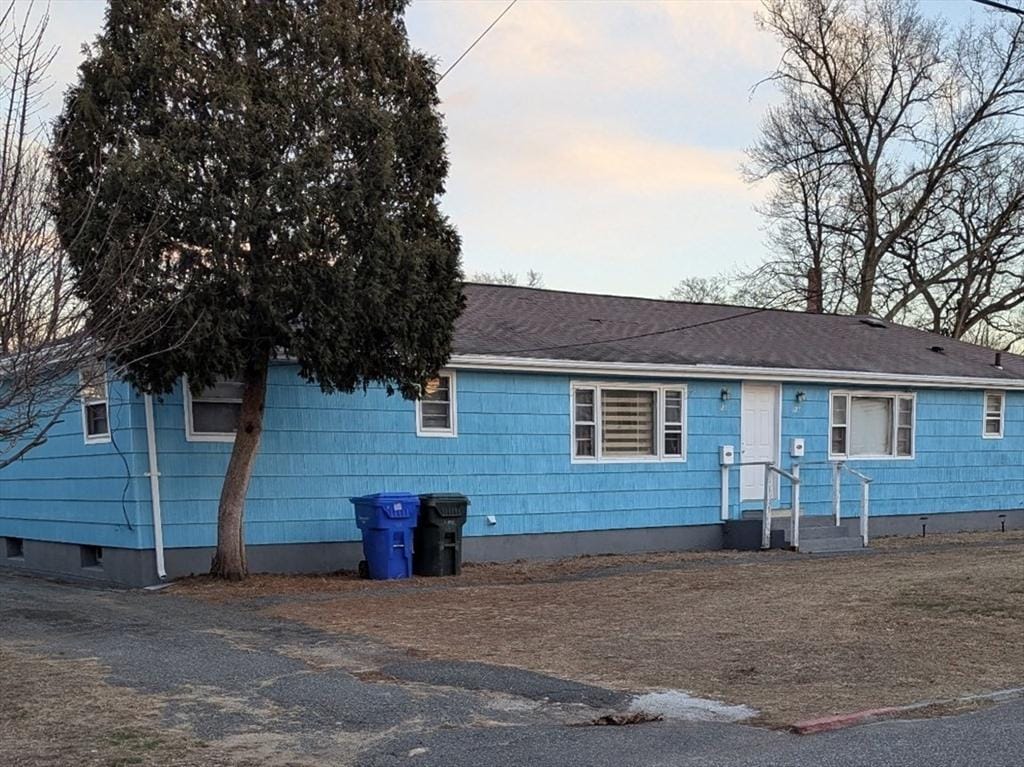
(1002, 523)
(924, 527)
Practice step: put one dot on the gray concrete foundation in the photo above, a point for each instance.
(134, 568)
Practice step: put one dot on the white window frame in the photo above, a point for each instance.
(891, 395)
(659, 406)
(94, 439)
(191, 435)
(985, 415)
(453, 428)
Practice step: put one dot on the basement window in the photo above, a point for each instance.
(15, 548)
(871, 425)
(622, 422)
(92, 556)
(435, 408)
(212, 415)
(995, 407)
(93, 394)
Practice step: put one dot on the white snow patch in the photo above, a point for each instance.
(677, 704)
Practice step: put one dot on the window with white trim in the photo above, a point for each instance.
(435, 408)
(95, 405)
(995, 407)
(623, 422)
(212, 415)
(871, 425)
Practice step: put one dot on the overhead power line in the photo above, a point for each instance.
(1001, 6)
(473, 44)
(664, 331)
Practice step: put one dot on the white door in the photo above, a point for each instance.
(759, 436)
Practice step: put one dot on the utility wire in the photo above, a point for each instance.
(1001, 6)
(473, 44)
(665, 331)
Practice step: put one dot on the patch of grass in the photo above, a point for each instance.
(62, 712)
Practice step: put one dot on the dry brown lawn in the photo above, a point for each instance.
(60, 711)
(793, 636)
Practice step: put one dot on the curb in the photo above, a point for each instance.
(840, 721)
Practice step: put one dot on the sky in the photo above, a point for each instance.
(599, 142)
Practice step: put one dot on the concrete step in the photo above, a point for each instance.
(809, 532)
(823, 545)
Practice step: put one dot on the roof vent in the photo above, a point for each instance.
(938, 349)
(871, 322)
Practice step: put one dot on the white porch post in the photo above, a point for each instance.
(766, 520)
(864, 501)
(725, 493)
(794, 534)
(836, 492)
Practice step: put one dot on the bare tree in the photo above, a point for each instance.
(34, 290)
(718, 289)
(888, 154)
(46, 335)
(532, 279)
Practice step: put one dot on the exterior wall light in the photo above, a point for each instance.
(800, 397)
(724, 395)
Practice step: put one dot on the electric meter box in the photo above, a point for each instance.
(726, 455)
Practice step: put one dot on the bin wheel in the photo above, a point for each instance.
(364, 569)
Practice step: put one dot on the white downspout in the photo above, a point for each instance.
(154, 489)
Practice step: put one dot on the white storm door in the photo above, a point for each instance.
(759, 436)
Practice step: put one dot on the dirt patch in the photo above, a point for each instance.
(792, 636)
(345, 582)
(60, 711)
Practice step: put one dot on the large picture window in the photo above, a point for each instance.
(212, 415)
(618, 422)
(871, 425)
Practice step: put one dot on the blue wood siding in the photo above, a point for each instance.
(68, 491)
(511, 456)
(953, 468)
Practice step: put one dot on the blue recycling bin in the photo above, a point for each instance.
(387, 521)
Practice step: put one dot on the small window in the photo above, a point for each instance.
(585, 429)
(435, 409)
(869, 425)
(619, 423)
(995, 405)
(212, 415)
(15, 548)
(93, 394)
(92, 556)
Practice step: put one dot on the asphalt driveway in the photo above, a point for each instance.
(245, 688)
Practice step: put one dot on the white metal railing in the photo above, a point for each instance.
(865, 497)
(793, 475)
(766, 519)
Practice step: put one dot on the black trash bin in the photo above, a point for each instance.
(437, 541)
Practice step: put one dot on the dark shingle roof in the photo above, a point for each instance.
(549, 324)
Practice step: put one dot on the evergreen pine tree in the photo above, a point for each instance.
(272, 172)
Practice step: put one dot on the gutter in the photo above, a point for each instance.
(154, 489)
(727, 372)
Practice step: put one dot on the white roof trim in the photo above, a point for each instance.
(726, 372)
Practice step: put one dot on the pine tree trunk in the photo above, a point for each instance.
(229, 561)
